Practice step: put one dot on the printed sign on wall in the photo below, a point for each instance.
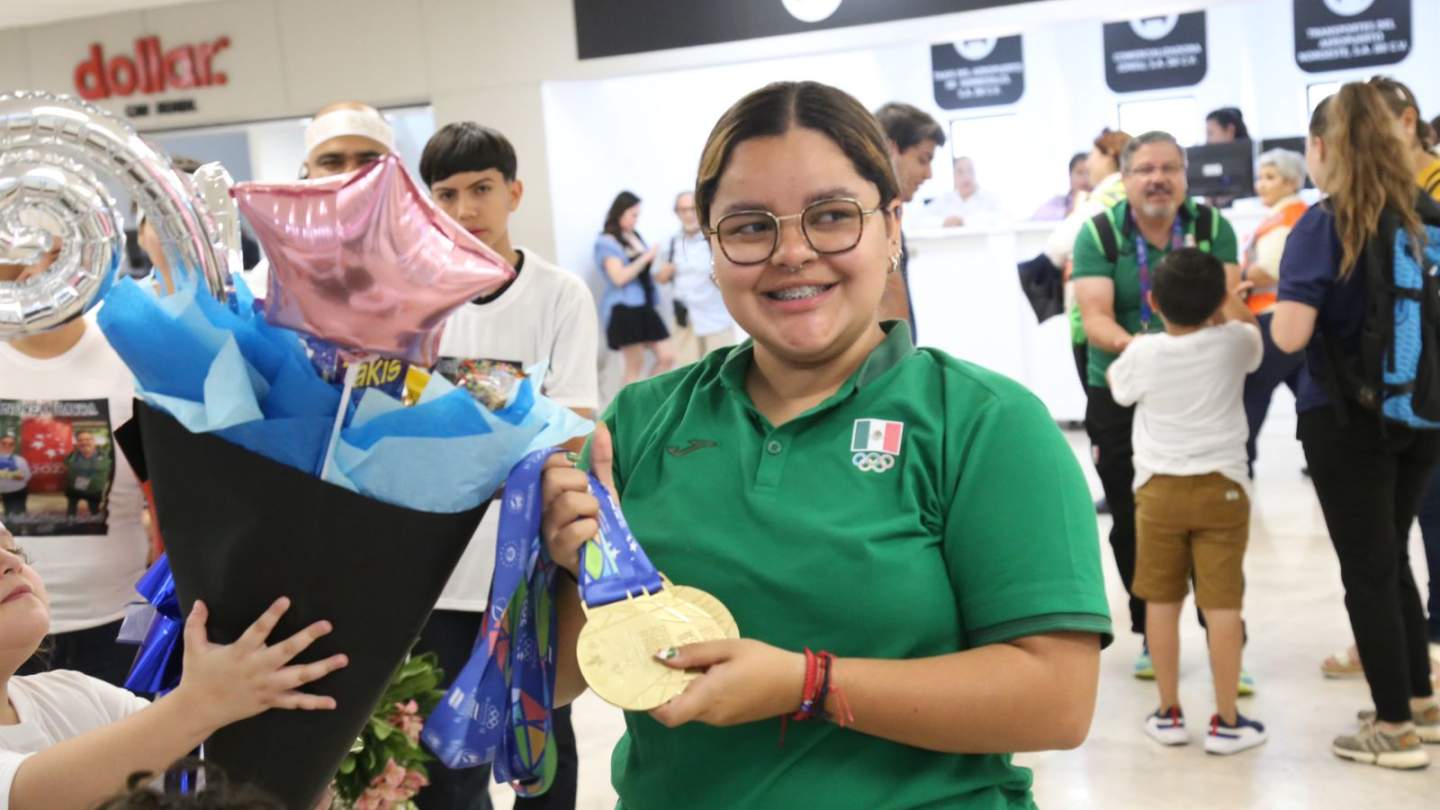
(614, 27)
(151, 69)
(1153, 53)
(1349, 34)
(978, 72)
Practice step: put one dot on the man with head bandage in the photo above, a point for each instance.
(343, 137)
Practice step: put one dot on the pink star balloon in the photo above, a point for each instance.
(366, 261)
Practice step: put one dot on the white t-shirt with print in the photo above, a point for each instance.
(54, 707)
(546, 315)
(89, 559)
(1189, 396)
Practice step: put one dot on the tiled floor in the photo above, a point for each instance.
(1295, 617)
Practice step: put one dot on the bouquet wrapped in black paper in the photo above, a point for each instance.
(351, 485)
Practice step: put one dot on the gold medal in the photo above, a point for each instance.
(708, 603)
(617, 647)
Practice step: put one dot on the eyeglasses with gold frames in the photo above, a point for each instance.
(830, 226)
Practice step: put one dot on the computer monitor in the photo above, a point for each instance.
(1222, 170)
(1296, 144)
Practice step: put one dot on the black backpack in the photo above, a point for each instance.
(1041, 281)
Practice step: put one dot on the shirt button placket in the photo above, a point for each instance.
(772, 462)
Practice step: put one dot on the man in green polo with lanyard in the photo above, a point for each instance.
(1115, 255)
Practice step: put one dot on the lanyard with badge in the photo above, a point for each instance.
(1142, 260)
(498, 709)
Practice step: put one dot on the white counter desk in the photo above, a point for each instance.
(968, 302)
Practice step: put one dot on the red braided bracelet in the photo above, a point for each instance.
(812, 687)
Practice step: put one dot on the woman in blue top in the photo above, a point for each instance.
(1369, 474)
(632, 323)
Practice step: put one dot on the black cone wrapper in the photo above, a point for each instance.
(241, 531)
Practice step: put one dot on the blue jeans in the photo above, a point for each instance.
(1275, 367)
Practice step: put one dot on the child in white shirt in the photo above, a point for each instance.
(68, 740)
(1192, 508)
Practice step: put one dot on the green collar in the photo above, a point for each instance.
(896, 346)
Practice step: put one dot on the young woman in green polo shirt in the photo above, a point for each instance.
(840, 490)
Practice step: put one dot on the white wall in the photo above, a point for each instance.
(644, 134)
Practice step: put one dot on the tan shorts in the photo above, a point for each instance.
(1191, 522)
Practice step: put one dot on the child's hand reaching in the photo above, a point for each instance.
(222, 683)
(227, 683)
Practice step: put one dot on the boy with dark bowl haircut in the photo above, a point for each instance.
(1192, 510)
(544, 315)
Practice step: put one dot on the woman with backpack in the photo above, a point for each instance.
(1369, 466)
(1416, 134)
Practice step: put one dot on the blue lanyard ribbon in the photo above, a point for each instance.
(152, 674)
(1142, 259)
(498, 709)
(614, 567)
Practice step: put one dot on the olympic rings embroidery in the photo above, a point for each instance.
(873, 462)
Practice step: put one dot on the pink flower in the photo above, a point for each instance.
(407, 719)
(414, 780)
(394, 786)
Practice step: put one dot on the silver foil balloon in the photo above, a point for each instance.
(55, 153)
(213, 184)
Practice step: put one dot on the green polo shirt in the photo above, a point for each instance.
(1089, 262)
(977, 530)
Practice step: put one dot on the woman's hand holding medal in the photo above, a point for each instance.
(744, 680)
(722, 680)
(572, 512)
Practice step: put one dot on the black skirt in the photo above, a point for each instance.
(632, 325)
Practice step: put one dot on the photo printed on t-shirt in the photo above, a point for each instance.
(57, 464)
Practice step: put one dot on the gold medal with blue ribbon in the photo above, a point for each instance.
(632, 613)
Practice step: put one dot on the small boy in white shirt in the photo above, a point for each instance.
(1192, 508)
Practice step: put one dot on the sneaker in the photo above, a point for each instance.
(1167, 727)
(1224, 738)
(1427, 723)
(1374, 747)
(1144, 667)
(1246, 688)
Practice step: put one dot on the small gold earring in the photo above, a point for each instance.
(894, 262)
